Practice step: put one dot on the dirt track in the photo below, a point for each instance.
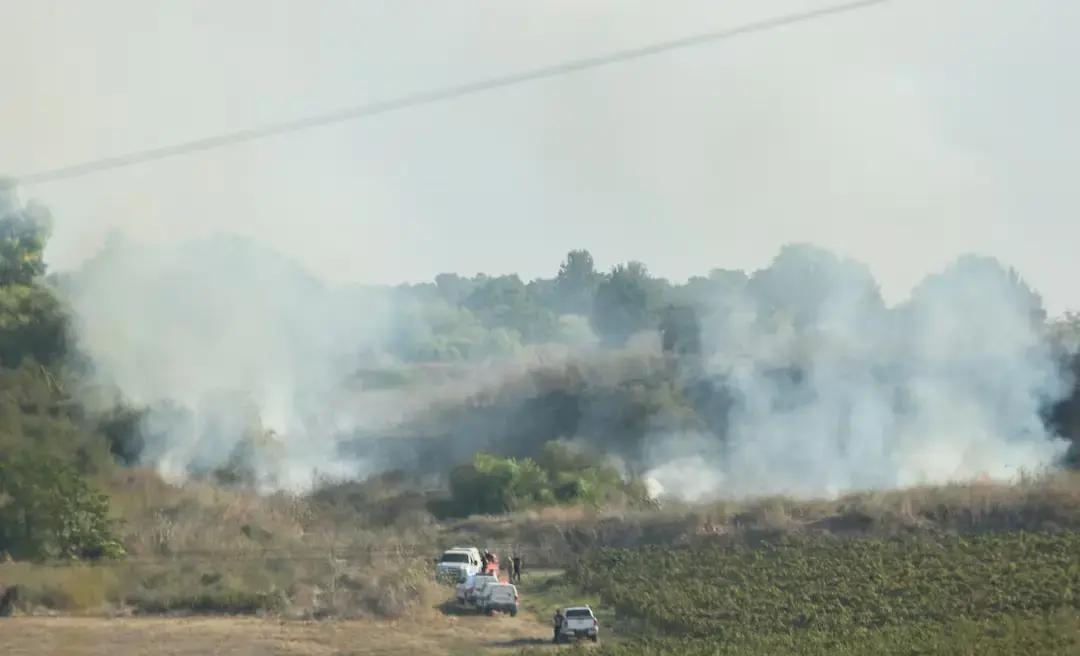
(435, 634)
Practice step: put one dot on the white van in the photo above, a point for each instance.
(458, 563)
(502, 597)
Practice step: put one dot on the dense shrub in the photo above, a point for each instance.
(561, 474)
(50, 511)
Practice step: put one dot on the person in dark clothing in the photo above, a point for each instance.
(7, 601)
(557, 621)
(516, 571)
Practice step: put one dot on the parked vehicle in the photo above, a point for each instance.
(579, 622)
(473, 587)
(502, 597)
(458, 563)
(478, 591)
(464, 589)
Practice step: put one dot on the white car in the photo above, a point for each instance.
(501, 597)
(474, 587)
(458, 563)
(464, 589)
(579, 622)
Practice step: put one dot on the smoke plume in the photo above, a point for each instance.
(832, 391)
(815, 386)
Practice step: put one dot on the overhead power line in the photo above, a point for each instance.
(438, 95)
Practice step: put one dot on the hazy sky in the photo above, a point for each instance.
(902, 135)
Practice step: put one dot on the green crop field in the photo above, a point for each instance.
(1008, 593)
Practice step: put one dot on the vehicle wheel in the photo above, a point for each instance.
(594, 638)
(513, 613)
(489, 612)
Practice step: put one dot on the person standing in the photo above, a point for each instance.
(516, 572)
(557, 621)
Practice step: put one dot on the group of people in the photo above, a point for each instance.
(513, 566)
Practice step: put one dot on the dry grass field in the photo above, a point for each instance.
(434, 635)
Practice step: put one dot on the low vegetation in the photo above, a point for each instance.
(1013, 592)
(1008, 635)
(561, 474)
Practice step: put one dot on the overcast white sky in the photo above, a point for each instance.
(903, 135)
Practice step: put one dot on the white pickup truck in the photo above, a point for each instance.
(458, 564)
(579, 622)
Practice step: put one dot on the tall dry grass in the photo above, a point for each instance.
(204, 548)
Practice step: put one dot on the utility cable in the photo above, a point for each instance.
(438, 95)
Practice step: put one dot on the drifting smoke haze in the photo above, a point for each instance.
(878, 135)
(221, 338)
(221, 341)
(822, 388)
(840, 393)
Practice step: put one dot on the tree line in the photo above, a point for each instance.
(54, 449)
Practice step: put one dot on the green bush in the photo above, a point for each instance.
(560, 475)
(49, 510)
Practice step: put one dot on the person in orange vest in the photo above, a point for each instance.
(489, 563)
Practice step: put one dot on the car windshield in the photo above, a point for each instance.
(578, 613)
(449, 557)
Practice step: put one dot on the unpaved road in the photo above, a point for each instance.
(434, 634)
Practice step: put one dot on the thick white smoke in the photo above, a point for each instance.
(230, 346)
(829, 389)
(833, 392)
(224, 340)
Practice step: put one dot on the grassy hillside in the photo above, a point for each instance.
(335, 552)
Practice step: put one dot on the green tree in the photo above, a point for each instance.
(454, 288)
(575, 285)
(492, 484)
(624, 303)
(505, 302)
(680, 331)
(49, 510)
(32, 324)
(720, 290)
(974, 283)
(23, 233)
(809, 287)
(32, 320)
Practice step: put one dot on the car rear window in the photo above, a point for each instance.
(578, 613)
(455, 558)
